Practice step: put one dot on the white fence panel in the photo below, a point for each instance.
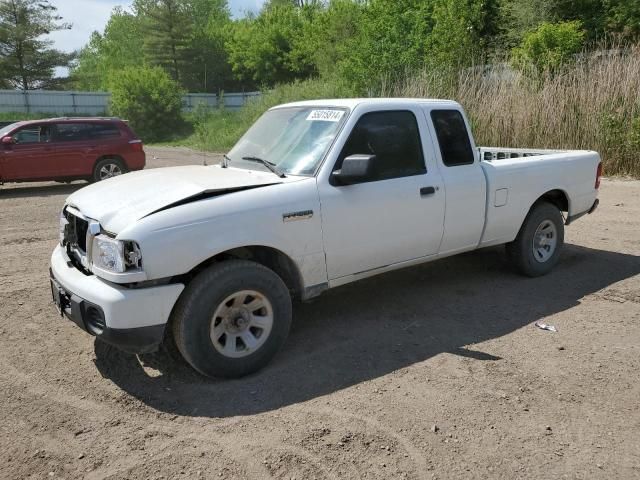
(236, 100)
(97, 103)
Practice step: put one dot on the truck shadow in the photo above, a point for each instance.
(376, 326)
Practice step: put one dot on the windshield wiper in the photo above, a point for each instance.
(270, 165)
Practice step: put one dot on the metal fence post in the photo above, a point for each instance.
(26, 100)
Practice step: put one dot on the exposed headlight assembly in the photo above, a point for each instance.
(117, 256)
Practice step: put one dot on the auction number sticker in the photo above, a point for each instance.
(325, 115)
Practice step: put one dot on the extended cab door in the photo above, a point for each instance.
(464, 181)
(394, 216)
(31, 156)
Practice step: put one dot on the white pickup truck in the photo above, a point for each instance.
(315, 195)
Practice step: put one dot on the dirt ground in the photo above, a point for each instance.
(432, 372)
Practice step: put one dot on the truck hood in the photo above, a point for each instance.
(119, 201)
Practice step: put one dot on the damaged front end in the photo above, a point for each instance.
(92, 250)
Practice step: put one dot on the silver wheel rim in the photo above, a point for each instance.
(545, 241)
(241, 324)
(110, 170)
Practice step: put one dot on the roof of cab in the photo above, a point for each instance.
(351, 103)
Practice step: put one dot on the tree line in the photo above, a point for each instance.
(364, 43)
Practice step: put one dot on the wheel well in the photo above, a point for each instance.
(556, 197)
(271, 258)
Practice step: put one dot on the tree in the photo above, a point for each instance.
(325, 39)
(208, 68)
(265, 49)
(390, 41)
(168, 28)
(591, 14)
(456, 39)
(149, 99)
(27, 60)
(623, 17)
(107, 53)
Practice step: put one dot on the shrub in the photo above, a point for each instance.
(149, 99)
(549, 47)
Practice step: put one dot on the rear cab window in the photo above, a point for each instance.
(453, 138)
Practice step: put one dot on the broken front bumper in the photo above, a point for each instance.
(132, 319)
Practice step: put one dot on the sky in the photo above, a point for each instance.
(89, 15)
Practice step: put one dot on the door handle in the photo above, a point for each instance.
(424, 191)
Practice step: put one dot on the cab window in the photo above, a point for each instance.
(393, 137)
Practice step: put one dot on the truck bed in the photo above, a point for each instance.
(517, 177)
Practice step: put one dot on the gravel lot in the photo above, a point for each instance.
(432, 372)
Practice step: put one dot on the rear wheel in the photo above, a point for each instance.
(108, 168)
(232, 319)
(536, 249)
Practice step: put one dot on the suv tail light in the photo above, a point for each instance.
(598, 175)
(136, 145)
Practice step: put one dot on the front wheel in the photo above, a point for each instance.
(536, 249)
(232, 319)
(108, 168)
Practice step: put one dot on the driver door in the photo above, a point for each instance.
(394, 216)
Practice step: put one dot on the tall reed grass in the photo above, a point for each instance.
(593, 104)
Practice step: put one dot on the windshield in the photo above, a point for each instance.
(294, 139)
(7, 129)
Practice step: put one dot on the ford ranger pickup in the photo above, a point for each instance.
(315, 195)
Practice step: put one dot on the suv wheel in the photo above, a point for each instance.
(232, 319)
(108, 168)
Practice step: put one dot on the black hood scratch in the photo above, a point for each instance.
(209, 194)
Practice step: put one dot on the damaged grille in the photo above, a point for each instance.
(76, 231)
(75, 238)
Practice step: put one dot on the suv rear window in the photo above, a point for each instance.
(104, 130)
(70, 132)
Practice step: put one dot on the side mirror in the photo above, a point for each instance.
(8, 140)
(355, 169)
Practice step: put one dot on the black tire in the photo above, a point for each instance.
(192, 317)
(107, 163)
(522, 252)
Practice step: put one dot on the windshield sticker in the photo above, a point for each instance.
(325, 115)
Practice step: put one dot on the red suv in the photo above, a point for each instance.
(67, 149)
